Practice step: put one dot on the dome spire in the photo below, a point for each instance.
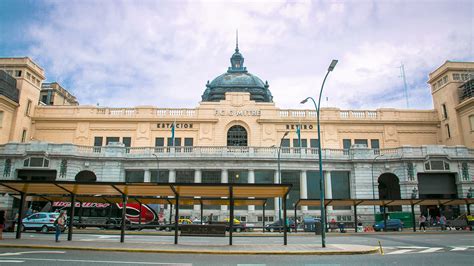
(237, 60)
(237, 40)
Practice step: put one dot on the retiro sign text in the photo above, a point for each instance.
(237, 112)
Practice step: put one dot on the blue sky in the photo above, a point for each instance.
(161, 53)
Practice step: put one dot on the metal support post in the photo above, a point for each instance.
(296, 219)
(202, 212)
(413, 217)
(385, 218)
(176, 220)
(263, 218)
(124, 211)
(71, 217)
(355, 218)
(20, 215)
(285, 226)
(231, 218)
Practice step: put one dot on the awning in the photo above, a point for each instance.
(378, 202)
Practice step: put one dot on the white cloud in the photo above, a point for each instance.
(129, 53)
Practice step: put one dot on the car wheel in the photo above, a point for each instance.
(23, 228)
(237, 230)
(167, 229)
(44, 229)
(399, 229)
(272, 230)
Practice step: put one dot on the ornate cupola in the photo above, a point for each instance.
(237, 79)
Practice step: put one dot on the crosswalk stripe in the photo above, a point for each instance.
(400, 251)
(430, 250)
(459, 248)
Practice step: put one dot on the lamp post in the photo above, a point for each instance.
(279, 172)
(414, 194)
(469, 195)
(373, 184)
(321, 177)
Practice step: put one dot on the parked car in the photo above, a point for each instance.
(41, 221)
(392, 224)
(278, 226)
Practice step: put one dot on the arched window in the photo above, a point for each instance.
(237, 136)
(86, 176)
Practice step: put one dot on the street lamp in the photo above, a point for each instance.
(321, 177)
(279, 172)
(373, 184)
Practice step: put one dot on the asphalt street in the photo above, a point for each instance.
(399, 249)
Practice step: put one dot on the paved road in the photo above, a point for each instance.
(45, 257)
(420, 249)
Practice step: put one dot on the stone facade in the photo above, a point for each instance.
(360, 148)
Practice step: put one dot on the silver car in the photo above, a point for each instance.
(41, 221)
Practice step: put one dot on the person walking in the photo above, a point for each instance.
(2, 223)
(442, 222)
(59, 224)
(422, 221)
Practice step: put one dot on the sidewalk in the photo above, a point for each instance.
(160, 247)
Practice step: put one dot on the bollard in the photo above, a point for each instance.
(380, 248)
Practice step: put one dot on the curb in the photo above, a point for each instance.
(371, 250)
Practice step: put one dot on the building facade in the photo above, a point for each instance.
(235, 134)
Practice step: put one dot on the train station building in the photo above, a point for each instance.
(235, 134)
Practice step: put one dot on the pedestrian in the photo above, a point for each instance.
(210, 218)
(2, 223)
(422, 221)
(332, 225)
(442, 222)
(59, 224)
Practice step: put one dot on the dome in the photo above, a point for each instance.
(237, 79)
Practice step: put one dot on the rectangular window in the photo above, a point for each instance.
(23, 135)
(340, 184)
(159, 142)
(464, 76)
(134, 176)
(28, 107)
(304, 143)
(28, 75)
(17, 73)
(346, 144)
(177, 142)
(98, 141)
(111, 139)
(375, 145)
(445, 79)
(163, 178)
(471, 120)
(456, 76)
(448, 131)
(361, 142)
(188, 142)
(44, 99)
(445, 112)
(127, 141)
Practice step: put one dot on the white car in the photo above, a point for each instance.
(41, 221)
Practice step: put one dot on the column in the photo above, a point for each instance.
(147, 177)
(197, 179)
(251, 181)
(224, 179)
(303, 188)
(172, 179)
(277, 201)
(328, 189)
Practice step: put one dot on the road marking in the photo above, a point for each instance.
(412, 247)
(105, 261)
(401, 251)
(430, 250)
(33, 252)
(459, 248)
(13, 261)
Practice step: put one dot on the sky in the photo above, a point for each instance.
(161, 53)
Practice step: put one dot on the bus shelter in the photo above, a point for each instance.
(384, 204)
(177, 193)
